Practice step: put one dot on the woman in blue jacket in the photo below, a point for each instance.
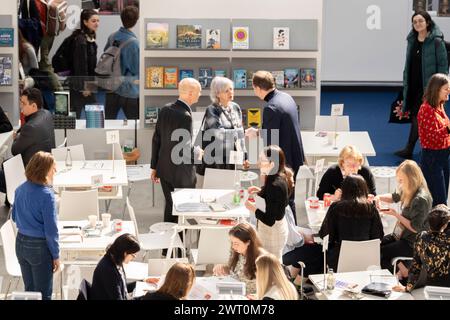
(425, 55)
(34, 213)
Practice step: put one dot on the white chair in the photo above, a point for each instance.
(78, 205)
(76, 153)
(156, 241)
(359, 255)
(26, 295)
(331, 123)
(307, 174)
(14, 175)
(62, 145)
(213, 246)
(219, 179)
(9, 251)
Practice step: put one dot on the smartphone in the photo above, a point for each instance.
(192, 221)
(385, 209)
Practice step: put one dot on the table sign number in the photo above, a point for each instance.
(236, 157)
(337, 109)
(319, 166)
(325, 243)
(112, 137)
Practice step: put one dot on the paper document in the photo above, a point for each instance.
(260, 203)
(192, 207)
(143, 287)
(97, 165)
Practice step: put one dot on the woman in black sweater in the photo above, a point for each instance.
(352, 218)
(278, 184)
(350, 161)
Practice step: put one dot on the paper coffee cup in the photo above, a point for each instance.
(92, 220)
(106, 220)
(331, 137)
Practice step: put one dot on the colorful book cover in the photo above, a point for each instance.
(254, 117)
(6, 37)
(212, 38)
(5, 71)
(150, 116)
(240, 78)
(189, 36)
(95, 115)
(279, 78)
(154, 77)
(281, 38)
(240, 38)
(171, 77)
(308, 77)
(205, 77)
(220, 73)
(186, 73)
(291, 78)
(157, 35)
(250, 79)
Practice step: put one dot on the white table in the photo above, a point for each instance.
(360, 278)
(314, 146)
(94, 245)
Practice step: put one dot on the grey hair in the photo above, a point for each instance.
(219, 85)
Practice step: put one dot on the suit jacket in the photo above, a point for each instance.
(37, 134)
(5, 124)
(280, 113)
(178, 170)
(107, 283)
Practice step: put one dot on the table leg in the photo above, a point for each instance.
(153, 194)
(128, 195)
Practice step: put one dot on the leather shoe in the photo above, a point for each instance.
(404, 153)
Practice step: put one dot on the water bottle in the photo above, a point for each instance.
(331, 281)
(236, 195)
(68, 159)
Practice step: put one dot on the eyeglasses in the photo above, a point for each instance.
(133, 255)
(418, 21)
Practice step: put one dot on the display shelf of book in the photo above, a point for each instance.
(187, 53)
(6, 89)
(8, 50)
(168, 92)
(274, 54)
(310, 92)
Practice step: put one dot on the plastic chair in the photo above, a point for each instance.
(78, 205)
(156, 241)
(14, 176)
(76, 153)
(213, 246)
(359, 255)
(384, 173)
(62, 145)
(331, 123)
(9, 252)
(219, 179)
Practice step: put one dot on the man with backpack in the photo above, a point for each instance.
(124, 94)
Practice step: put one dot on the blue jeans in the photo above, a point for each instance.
(36, 264)
(435, 167)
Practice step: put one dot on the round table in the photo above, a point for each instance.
(384, 173)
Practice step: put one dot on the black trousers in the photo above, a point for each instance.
(391, 248)
(310, 254)
(78, 101)
(292, 198)
(113, 103)
(167, 189)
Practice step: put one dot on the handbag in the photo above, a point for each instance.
(397, 115)
(30, 23)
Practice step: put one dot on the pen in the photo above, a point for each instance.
(68, 227)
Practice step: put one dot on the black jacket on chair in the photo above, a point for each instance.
(173, 117)
(37, 134)
(107, 283)
(5, 124)
(281, 113)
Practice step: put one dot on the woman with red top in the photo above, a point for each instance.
(434, 135)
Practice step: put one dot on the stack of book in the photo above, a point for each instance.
(95, 116)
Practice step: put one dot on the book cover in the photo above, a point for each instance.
(150, 116)
(205, 77)
(279, 78)
(240, 78)
(171, 77)
(6, 37)
(212, 38)
(291, 78)
(154, 77)
(240, 38)
(186, 73)
(189, 36)
(220, 73)
(250, 79)
(95, 115)
(157, 36)
(254, 117)
(308, 77)
(5, 70)
(281, 38)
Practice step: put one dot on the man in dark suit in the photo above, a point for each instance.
(173, 156)
(281, 123)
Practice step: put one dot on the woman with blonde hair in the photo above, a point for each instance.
(177, 284)
(271, 281)
(415, 200)
(350, 161)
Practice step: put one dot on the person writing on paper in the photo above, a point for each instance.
(280, 124)
(34, 213)
(277, 187)
(173, 132)
(246, 247)
(271, 281)
(109, 281)
(350, 161)
(353, 218)
(431, 252)
(415, 200)
(178, 282)
(223, 127)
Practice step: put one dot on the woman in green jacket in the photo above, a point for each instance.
(425, 55)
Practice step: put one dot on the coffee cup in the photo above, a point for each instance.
(331, 137)
(92, 220)
(106, 220)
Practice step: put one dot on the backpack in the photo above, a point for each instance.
(62, 59)
(56, 16)
(108, 71)
(447, 48)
